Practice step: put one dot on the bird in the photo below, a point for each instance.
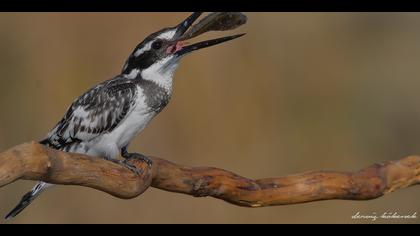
(103, 120)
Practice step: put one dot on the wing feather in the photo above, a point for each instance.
(98, 111)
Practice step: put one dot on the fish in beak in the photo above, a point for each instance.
(217, 21)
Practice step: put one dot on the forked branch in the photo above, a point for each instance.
(32, 161)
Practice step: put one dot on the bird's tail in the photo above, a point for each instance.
(28, 198)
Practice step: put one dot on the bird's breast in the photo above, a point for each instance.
(135, 121)
(154, 96)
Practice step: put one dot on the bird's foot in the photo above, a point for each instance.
(131, 167)
(138, 156)
(124, 163)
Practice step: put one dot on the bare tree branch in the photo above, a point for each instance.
(33, 161)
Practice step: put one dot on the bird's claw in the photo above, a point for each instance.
(141, 157)
(131, 167)
(125, 163)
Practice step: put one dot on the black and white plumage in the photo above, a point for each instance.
(107, 117)
(104, 120)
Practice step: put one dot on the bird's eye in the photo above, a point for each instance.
(157, 44)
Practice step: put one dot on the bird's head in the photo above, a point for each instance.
(158, 55)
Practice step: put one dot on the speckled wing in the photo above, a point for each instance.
(96, 112)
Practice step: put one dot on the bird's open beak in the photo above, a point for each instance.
(179, 47)
(186, 24)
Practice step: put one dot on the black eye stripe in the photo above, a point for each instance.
(157, 44)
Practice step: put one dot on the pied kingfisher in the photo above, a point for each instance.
(104, 120)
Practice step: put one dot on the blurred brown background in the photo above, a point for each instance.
(300, 92)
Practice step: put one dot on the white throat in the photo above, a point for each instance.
(162, 72)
